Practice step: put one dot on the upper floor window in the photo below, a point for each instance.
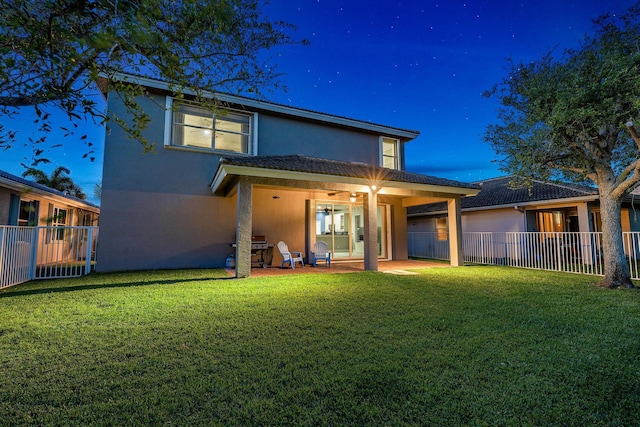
(390, 153)
(197, 127)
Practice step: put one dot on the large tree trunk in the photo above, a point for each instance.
(616, 268)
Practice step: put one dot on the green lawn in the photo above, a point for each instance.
(451, 346)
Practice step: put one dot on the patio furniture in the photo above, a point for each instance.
(288, 256)
(320, 253)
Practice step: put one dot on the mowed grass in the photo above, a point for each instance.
(450, 346)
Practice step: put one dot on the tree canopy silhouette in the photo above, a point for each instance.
(58, 180)
(573, 117)
(53, 51)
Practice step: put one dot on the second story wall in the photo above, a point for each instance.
(188, 170)
(281, 136)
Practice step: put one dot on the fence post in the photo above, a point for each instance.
(89, 245)
(34, 252)
(4, 278)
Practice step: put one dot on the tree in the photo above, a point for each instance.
(573, 117)
(53, 51)
(58, 180)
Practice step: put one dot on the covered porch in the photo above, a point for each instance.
(367, 186)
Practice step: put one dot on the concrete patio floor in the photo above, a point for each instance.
(394, 267)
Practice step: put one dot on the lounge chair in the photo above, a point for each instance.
(321, 253)
(288, 256)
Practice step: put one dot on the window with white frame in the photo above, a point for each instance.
(28, 214)
(197, 127)
(390, 152)
(59, 219)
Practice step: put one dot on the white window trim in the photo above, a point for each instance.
(59, 236)
(168, 130)
(398, 151)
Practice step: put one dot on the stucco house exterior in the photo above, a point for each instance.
(257, 169)
(35, 223)
(546, 207)
(27, 203)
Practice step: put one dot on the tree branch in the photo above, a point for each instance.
(634, 133)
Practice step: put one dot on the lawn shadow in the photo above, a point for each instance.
(44, 289)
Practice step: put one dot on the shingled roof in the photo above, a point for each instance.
(300, 163)
(496, 192)
(21, 182)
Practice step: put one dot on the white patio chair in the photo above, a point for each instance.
(288, 256)
(320, 252)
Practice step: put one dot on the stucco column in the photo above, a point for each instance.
(371, 230)
(243, 228)
(454, 219)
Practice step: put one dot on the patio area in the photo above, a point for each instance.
(392, 267)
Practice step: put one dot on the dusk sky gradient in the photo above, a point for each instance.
(419, 65)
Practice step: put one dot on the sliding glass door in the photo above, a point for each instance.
(341, 227)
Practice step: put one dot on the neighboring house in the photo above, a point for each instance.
(546, 207)
(257, 169)
(24, 202)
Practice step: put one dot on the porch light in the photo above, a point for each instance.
(374, 187)
(352, 198)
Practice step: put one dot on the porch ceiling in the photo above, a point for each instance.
(332, 175)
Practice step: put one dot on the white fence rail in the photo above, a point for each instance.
(28, 253)
(570, 252)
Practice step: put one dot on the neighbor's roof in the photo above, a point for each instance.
(18, 184)
(496, 192)
(316, 166)
(281, 108)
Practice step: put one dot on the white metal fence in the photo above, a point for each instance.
(28, 253)
(570, 252)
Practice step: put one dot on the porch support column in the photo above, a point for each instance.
(243, 228)
(371, 230)
(454, 218)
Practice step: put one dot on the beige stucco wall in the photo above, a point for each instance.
(281, 218)
(398, 218)
(495, 220)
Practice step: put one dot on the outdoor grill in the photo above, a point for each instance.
(261, 251)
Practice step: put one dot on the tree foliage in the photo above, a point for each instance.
(53, 51)
(572, 115)
(58, 180)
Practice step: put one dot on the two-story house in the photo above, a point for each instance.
(256, 168)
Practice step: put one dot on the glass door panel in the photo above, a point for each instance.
(341, 231)
(332, 227)
(341, 227)
(382, 235)
(357, 237)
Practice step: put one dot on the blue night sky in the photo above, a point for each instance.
(419, 65)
